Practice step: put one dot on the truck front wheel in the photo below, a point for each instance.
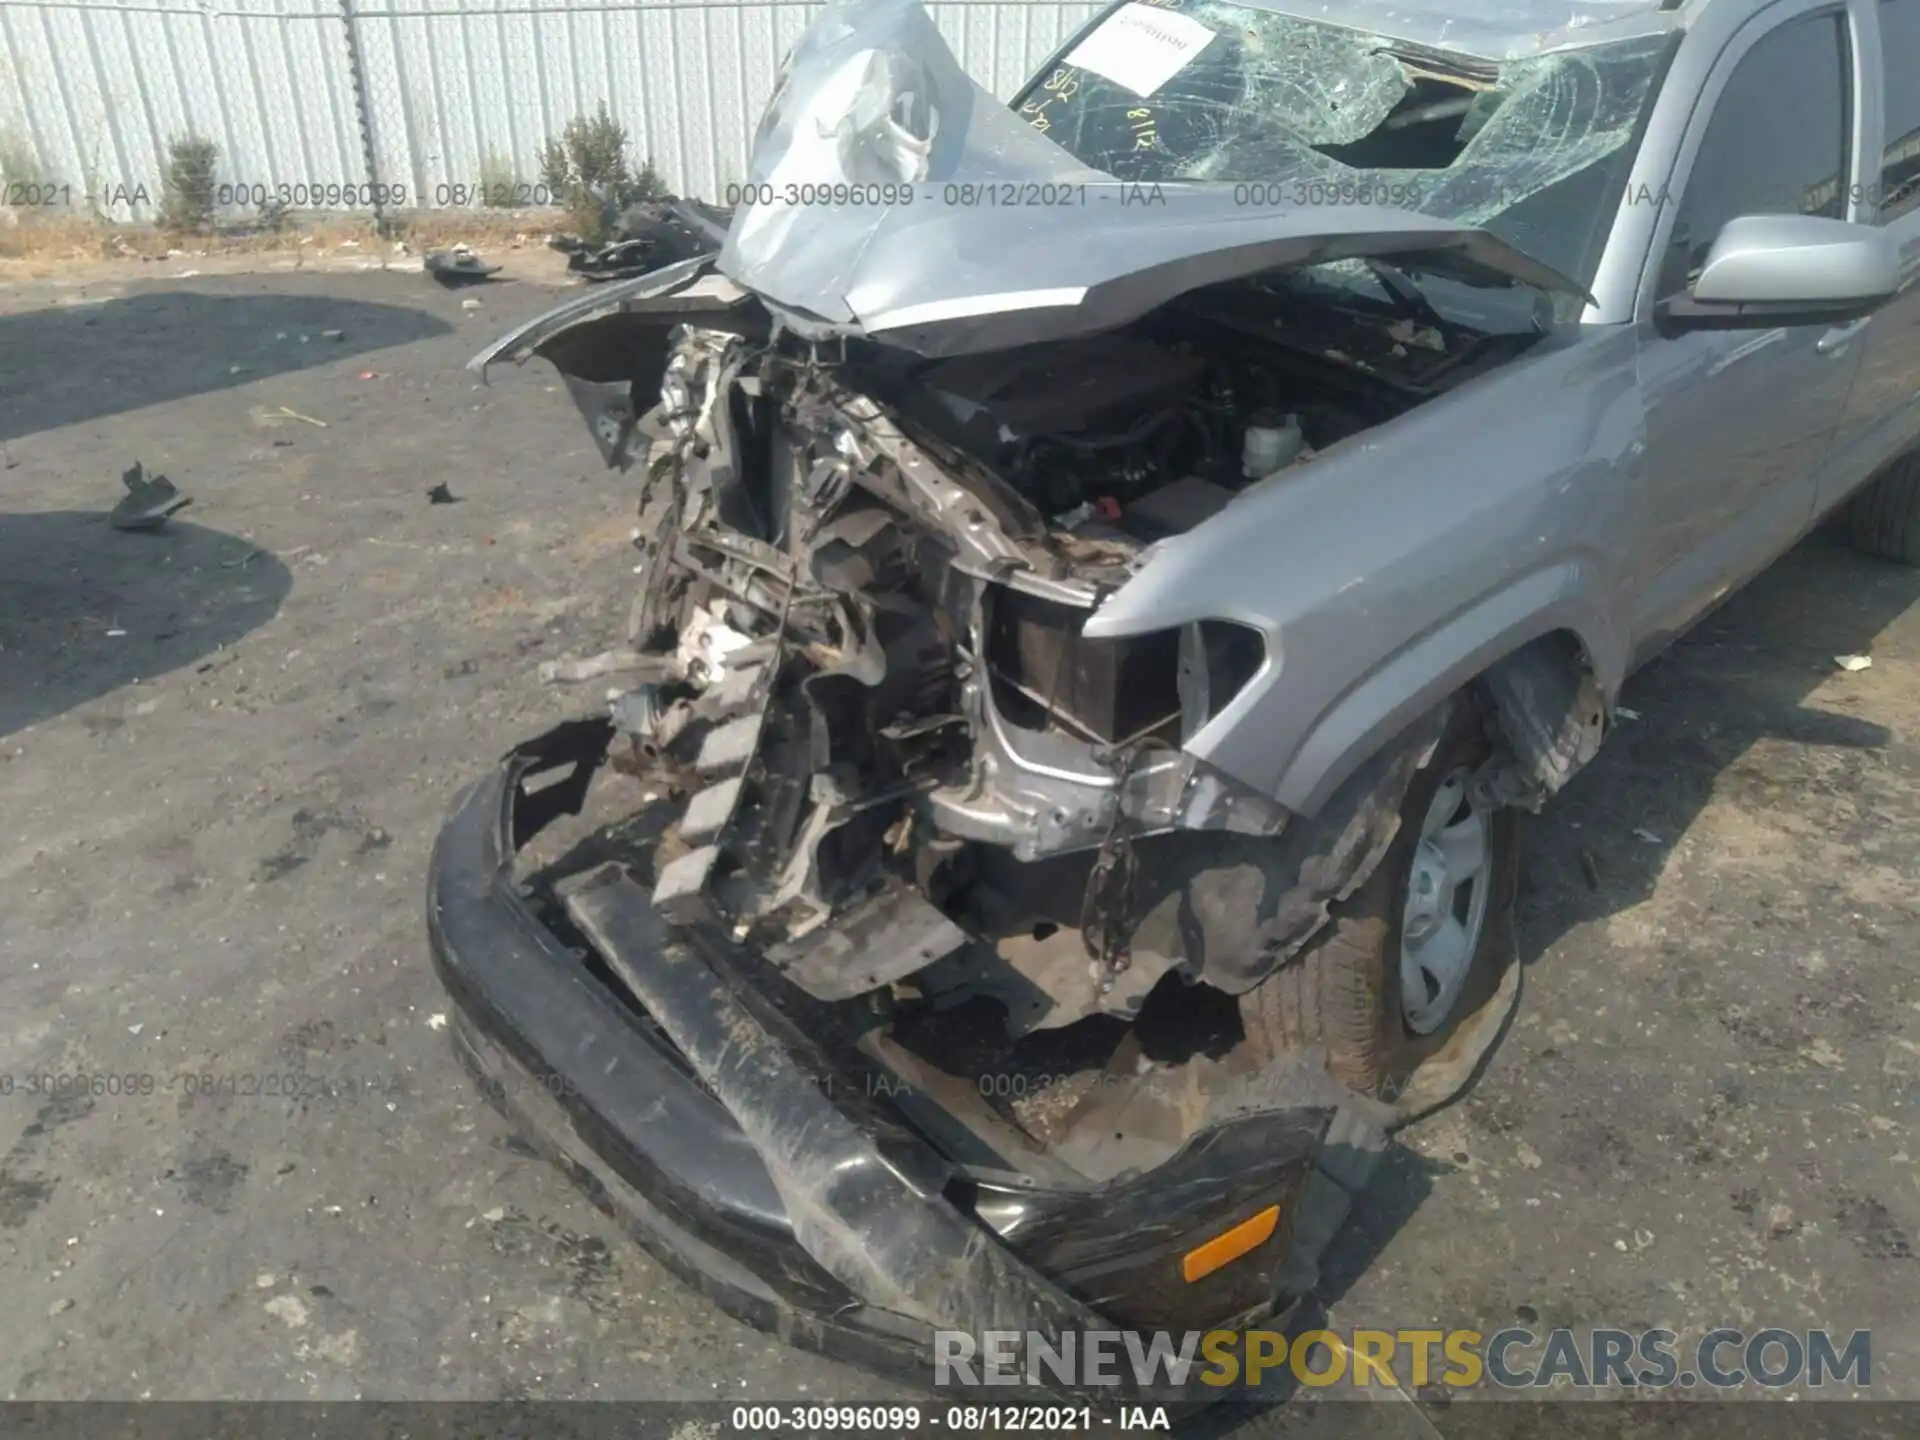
(1411, 979)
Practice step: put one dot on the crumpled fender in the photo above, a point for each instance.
(610, 345)
(558, 333)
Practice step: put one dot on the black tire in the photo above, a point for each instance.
(1343, 991)
(1884, 518)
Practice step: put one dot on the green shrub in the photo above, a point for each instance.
(555, 169)
(585, 168)
(187, 193)
(499, 182)
(19, 161)
(648, 185)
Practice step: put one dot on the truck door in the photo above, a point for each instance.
(1883, 412)
(1739, 421)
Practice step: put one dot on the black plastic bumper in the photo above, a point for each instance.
(698, 1118)
(602, 1093)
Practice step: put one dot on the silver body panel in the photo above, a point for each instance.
(1614, 486)
(1609, 486)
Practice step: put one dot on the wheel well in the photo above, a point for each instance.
(1546, 707)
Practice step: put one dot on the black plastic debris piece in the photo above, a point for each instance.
(650, 235)
(148, 501)
(441, 495)
(458, 266)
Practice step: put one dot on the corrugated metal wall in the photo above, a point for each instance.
(456, 91)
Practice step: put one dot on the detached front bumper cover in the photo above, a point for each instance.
(760, 1170)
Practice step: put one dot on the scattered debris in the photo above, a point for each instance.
(288, 1308)
(1823, 1053)
(437, 1021)
(494, 1216)
(238, 369)
(1590, 870)
(136, 1029)
(1781, 1222)
(331, 335)
(1648, 836)
(1623, 713)
(458, 266)
(296, 415)
(61, 1306)
(148, 502)
(371, 375)
(441, 495)
(651, 235)
(1853, 662)
(469, 304)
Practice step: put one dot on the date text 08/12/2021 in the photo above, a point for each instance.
(956, 1419)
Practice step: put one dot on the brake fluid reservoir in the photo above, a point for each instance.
(1273, 442)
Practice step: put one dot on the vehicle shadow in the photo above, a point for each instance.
(1743, 675)
(86, 609)
(63, 364)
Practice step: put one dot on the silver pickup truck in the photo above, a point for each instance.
(1129, 553)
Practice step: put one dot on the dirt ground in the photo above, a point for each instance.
(225, 749)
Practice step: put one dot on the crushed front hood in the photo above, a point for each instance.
(900, 200)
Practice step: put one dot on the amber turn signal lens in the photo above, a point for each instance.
(1249, 1234)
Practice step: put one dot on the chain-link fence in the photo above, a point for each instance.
(410, 104)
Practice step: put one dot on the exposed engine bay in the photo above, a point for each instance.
(905, 769)
(1154, 429)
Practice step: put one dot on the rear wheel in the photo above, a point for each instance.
(1411, 979)
(1884, 518)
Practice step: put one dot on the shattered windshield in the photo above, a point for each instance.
(1296, 112)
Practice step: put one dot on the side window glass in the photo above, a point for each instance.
(1776, 145)
(1900, 52)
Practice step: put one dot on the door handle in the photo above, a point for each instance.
(1841, 336)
